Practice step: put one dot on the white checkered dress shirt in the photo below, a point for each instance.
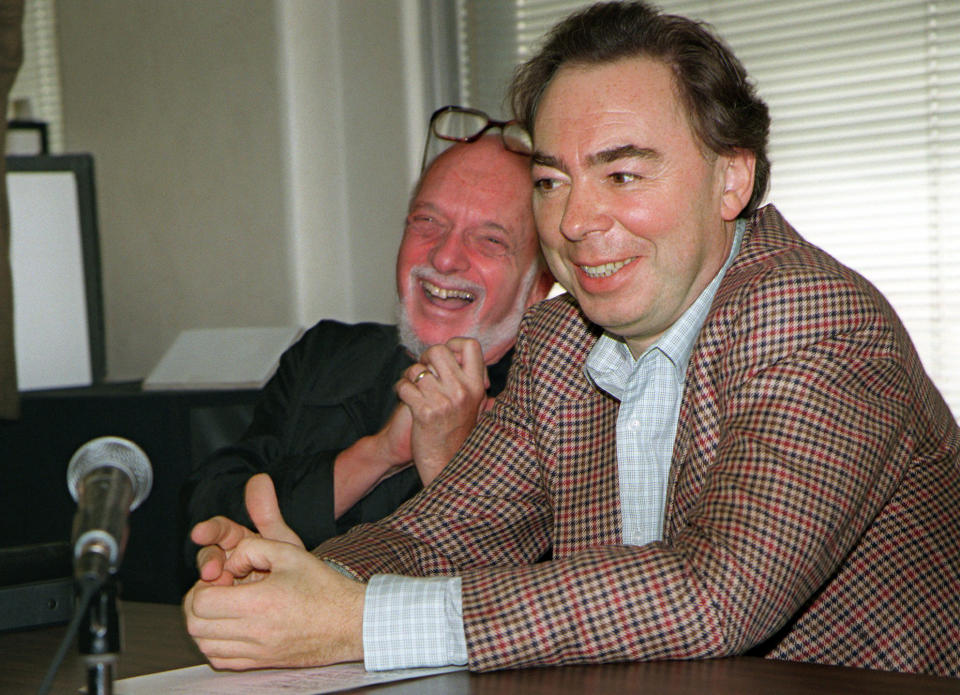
(413, 621)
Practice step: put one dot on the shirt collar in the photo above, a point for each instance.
(610, 365)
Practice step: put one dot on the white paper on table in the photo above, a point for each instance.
(203, 680)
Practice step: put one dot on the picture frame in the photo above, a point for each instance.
(55, 261)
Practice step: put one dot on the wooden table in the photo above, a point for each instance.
(155, 640)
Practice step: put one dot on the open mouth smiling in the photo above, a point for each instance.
(606, 269)
(439, 293)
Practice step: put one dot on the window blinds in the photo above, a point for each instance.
(38, 81)
(865, 143)
(495, 36)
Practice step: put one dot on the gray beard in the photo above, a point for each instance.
(408, 338)
(504, 331)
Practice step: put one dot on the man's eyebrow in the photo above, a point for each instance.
(545, 160)
(622, 152)
(603, 157)
(421, 205)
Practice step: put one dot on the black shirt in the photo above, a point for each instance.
(334, 386)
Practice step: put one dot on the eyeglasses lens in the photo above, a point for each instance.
(458, 125)
(517, 139)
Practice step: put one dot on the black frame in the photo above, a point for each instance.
(81, 165)
(39, 128)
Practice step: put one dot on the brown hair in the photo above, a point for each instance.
(722, 105)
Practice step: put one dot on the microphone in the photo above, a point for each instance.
(108, 477)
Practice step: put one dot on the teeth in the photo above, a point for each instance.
(442, 293)
(605, 270)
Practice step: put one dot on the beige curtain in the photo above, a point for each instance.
(11, 56)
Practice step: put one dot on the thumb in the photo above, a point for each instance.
(264, 510)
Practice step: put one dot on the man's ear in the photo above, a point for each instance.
(737, 183)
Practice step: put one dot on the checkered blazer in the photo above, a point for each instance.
(813, 508)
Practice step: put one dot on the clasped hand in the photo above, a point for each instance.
(444, 394)
(263, 600)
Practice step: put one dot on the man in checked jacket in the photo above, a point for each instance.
(725, 435)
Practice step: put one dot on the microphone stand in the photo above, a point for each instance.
(99, 639)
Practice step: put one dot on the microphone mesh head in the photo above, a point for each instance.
(118, 453)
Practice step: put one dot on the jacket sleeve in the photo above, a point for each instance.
(488, 506)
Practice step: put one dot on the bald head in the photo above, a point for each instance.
(469, 261)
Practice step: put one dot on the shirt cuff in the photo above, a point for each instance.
(413, 622)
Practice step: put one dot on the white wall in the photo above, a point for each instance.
(252, 157)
